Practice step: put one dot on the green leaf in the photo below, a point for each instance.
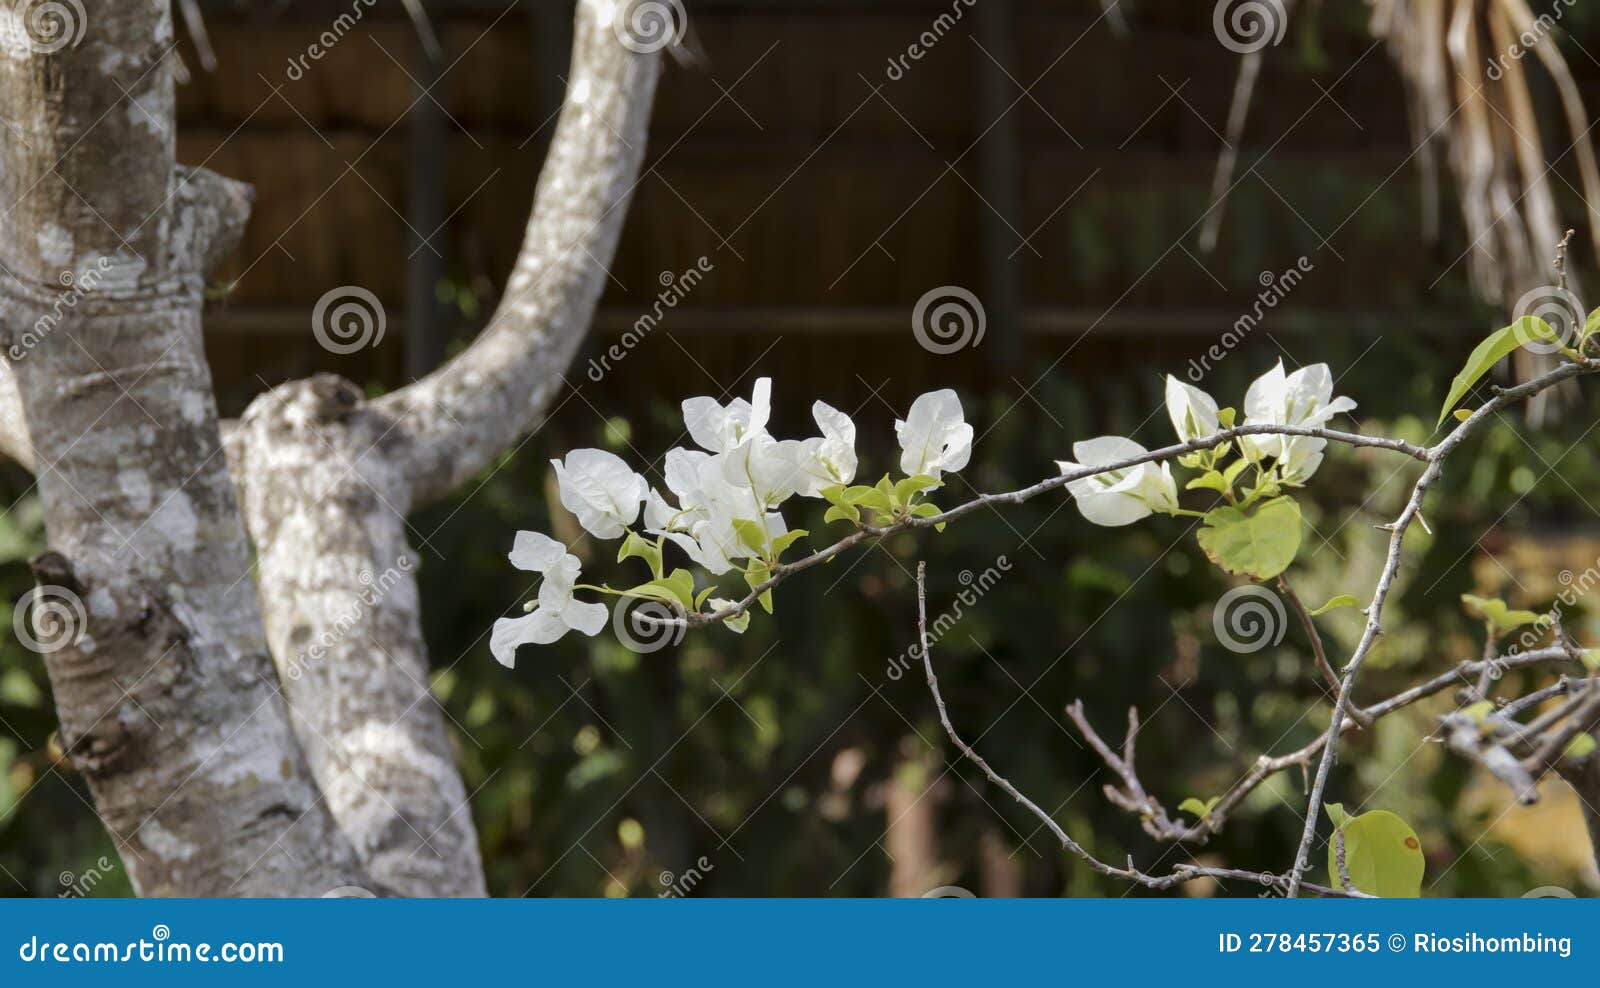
(1198, 807)
(677, 588)
(636, 545)
(786, 540)
(1260, 542)
(1211, 480)
(1343, 600)
(1581, 747)
(1381, 852)
(868, 497)
(751, 534)
(1497, 613)
(1490, 352)
(843, 512)
(913, 485)
(1225, 417)
(833, 494)
(738, 623)
(700, 598)
(1480, 711)
(1590, 326)
(755, 575)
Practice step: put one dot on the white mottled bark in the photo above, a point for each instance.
(354, 777)
(165, 692)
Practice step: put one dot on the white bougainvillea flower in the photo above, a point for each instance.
(1119, 497)
(1193, 412)
(600, 489)
(1304, 398)
(557, 612)
(934, 436)
(735, 624)
(829, 459)
(709, 503)
(1300, 457)
(720, 428)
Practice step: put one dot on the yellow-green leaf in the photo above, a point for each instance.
(1258, 542)
(1495, 611)
(1343, 600)
(1581, 747)
(1381, 853)
(1490, 352)
(1200, 808)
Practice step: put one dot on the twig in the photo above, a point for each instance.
(1178, 875)
(1316, 646)
(1436, 456)
(1339, 859)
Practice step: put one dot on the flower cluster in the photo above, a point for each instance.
(723, 506)
(1303, 399)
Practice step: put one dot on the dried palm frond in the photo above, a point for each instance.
(1466, 76)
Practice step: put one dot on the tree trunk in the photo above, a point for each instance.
(209, 781)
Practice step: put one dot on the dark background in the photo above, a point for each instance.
(1060, 172)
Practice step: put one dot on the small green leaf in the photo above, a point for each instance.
(1225, 417)
(1343, 600)
(786, 540)
(843, 512)
(914, 485)
(1462, 414)
(1260, 542)
(636, 545)
(1479, 712)
(1490, 352)
(1199, 808)
(751, 534)
(1211, 480)
(677, 588)
(833, 494)
(1581, 747)
(1381, 852)
(1497, 613)
(1590, 326)
(700, 598)
(755, 575)
(738, 623)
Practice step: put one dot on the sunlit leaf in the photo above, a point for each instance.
(1258, 542)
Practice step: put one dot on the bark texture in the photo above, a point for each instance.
(170, 700)
(162, 681)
